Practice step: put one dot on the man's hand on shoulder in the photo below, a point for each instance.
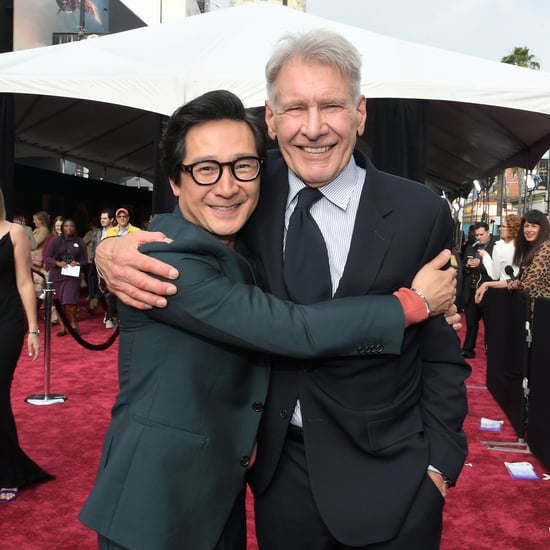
(126, 271)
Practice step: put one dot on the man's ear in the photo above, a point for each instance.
(175, 187)
(361, 115)
(270, 121)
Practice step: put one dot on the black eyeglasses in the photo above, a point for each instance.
(209, 172)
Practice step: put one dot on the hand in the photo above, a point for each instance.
(125, 270)
(513, 285)
(473, 263)
(453, 318)
(482, 253)
(436, 284)
(437, 478)
(33, 346)
(480, 292)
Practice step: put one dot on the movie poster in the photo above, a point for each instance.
(35, 22)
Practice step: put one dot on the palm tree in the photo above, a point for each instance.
(521, 57)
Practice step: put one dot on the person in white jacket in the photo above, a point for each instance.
(503, 251)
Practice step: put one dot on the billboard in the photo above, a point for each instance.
(35, 22)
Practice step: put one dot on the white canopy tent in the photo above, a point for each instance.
(482, 115)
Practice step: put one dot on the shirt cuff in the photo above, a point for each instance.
(413, 306)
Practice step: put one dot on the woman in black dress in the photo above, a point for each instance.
(17, 301)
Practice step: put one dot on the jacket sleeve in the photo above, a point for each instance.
(444, 404)
(210, 304)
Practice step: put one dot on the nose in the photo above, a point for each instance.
(227, 185)
(314, 124)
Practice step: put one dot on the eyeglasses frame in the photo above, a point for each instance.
(189, 169)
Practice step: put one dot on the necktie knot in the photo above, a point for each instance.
(307, 197)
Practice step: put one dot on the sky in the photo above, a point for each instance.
(483, 28)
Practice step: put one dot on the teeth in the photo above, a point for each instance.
(316, 149)
(224, 208)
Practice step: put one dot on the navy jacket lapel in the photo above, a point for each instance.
(372, 234)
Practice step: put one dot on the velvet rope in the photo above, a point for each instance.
(77, 337)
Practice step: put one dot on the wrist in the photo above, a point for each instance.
(426, 303)
(414, 308)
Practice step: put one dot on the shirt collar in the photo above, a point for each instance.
(338, 191)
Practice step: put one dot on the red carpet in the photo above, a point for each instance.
(488, 509)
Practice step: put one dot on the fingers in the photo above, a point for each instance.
(452, 311)
(139, 264)
(127, 272)
(147, 294)
(34, 350)
(138, 289)
(454, 320)
(441, 260)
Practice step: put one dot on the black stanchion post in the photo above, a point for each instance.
(47, 398)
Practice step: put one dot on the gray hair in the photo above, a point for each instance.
(320, 46)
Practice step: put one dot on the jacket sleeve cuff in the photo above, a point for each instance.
(413, 306)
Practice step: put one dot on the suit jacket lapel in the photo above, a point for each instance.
(372, 234)
(265, 231)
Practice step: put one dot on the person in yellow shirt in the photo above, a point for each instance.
(123, 227)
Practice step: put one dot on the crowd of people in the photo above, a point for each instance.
(29, 256)
(517, 259)
(522, 261)
(66, 259)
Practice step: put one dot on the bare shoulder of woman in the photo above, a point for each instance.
(19, 239)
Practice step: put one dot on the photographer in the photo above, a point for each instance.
(474, 275)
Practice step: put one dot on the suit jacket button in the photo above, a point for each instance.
(257, 406)
(283, 413)
(245, 461)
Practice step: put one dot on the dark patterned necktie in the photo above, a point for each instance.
(306, 267)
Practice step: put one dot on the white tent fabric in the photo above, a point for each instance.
(157, 68)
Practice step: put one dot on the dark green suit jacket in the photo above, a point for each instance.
(193, 380)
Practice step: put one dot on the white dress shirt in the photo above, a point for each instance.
(335, 215)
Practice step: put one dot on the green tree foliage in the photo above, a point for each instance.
(521, 57)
